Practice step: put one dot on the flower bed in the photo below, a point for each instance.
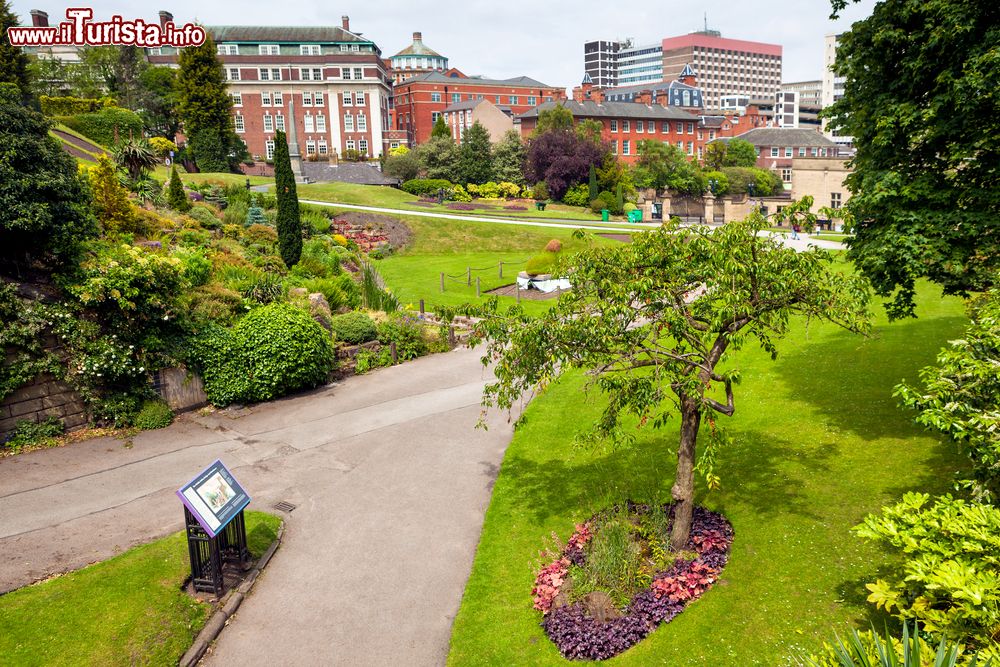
(592, 627)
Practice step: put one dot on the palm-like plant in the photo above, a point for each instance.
(136, 157)
(870, 650)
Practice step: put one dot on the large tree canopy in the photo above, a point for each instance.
(475, 155)
(13, 61)
(652, 322)
(922, 101)
(562, 158)
(204, 107)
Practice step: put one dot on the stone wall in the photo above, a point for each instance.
(43, 398)
(181, 389)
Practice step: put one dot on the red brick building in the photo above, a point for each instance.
(625, 124)
(419, 100)
(336, 79)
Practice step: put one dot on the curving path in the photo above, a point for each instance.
(390, 479)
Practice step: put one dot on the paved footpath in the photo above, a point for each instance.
(390, 478)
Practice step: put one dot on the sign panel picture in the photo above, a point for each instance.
(214, 497)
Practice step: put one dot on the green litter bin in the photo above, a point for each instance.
(635, 216)
(605, 214)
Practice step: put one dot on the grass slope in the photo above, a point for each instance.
(124, 611)
(162, 173)
(818, 443)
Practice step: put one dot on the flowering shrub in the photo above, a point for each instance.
(515, 207)
(461, 206)
(578, 635)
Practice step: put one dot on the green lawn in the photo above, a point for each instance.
(162, 172)
(831, 236)
(125, 611)
(373, 195)
(452, 246)
(818, 443)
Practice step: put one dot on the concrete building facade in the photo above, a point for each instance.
(832, 88)
(822, 179)
(600, 62)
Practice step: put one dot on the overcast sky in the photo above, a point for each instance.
(535, 38)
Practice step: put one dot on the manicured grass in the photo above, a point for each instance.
(818, 443)
(829, 236)
(453, 245)
(162, 172)
(387, 197)
(125, 611)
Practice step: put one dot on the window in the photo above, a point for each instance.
(680, 145)
(355, 47)
(348, 98)
(786, 175)
(270, 74)
(233, 73)
(307, 99)
(269, 49)
(498, 99)
(788, 151)
(309, 49)
(822, 152)
(238, 123)
(265, 99)
(614, 147)
(626, 148)
(346, 73)
(774, 151)
(318, 99)
(456, 98)
(690, 150)
(348, 123)
(700, 135)
(835, 200)
(362, 123)
(666, 127)
(310, 147)
(813, 151)
(323, 150)
(532, 101)
(802, 151)
(311, 73)
(308, 122)
(237, 99)
(513, 99)
(711, 135)
(363, 147)
(269, 148)
(320, 123)
(435, 97)
(268, 123)
(626, 126)
(359, 98)
(640, 126)
(227, 50)
(690, 128)
(350, 144)
(359, 73)
(343, 47)
(393, 144)
(435, 115)
(279, 122)
(614, 126)
(279, 98)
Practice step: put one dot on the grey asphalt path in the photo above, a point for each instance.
(390, 478)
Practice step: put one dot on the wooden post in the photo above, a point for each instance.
(477, 287)
(442, 281)
(468, 276)
(517, 286)
(451, 335)
(392, 351)
(421, 308)
(501, 268)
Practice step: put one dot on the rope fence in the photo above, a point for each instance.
(466, 278)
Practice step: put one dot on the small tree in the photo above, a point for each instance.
(204, 106)
(714, 157)
(110, 199)
(440, 130)
(556, 118)
(740, 153)
(288, 223)
(592, 190)
(176, 198)
(403, 166)
(255, 216)
(439, 158)
(135, 156)
(665, 166)
(508, 158)
(562, 159)
(653, 320)
(475, 162)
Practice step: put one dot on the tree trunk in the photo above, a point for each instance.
(683, 489)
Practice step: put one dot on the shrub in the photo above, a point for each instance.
(205, 217)
(213, 303)
(406, 333)
(721, 182)
(27, 433)
(100, 126)
(555, 245)
(153, 415)
(339, 291)
(315, 221)
(261, 235)
(576, 195)
(950, 578)
(264, 290)
(110, 201)
(176, 198)
(318, 259)
(162, 146)
(540, 192)
(610, 202)
(509, 190)
(540, 264)
(628, 207)
(426, 186)
(871, 650)
(354, 328)
(72, 106)
(195, 266)
(459, 194)
(272, 351)
(598, 205)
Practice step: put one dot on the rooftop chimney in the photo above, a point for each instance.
(345, 23)
(417, 37)
(165, 18)
(39, 19)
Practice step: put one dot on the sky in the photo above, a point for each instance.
(543, 40)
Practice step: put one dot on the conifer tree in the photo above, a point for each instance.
(592, 190)
(255, 216)
(204, 106)
(475, 162)
(440, 129)
(176, 199)
(288, 223)
(13, 60)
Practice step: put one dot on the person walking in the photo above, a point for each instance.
(795, 232)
